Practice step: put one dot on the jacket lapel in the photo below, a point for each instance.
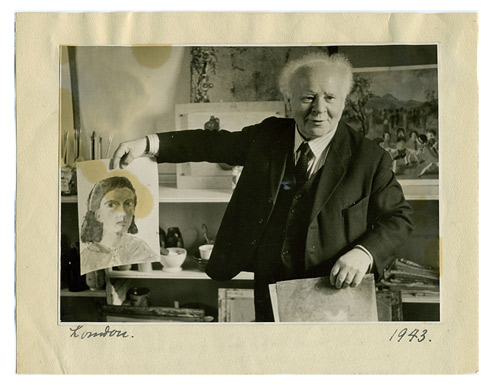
(334, 169)
(280, 151)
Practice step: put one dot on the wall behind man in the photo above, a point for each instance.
(132, 91)
(394, 55)
(244, 74)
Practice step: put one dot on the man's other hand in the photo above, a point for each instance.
(127, 152)
(350, 269)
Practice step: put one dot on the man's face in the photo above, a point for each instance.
(317, 100)
(116, 210)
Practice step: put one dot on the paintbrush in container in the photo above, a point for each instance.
(110, 141)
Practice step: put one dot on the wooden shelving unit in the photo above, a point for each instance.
(85, 293)
(159, 274)
(118, 282)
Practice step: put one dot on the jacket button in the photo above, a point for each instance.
(270, 200)
(297, 196)
(293, 211)
(254, 242)
(285, 252)
(261, 220)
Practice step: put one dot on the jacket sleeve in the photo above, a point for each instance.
(389, 216)
(206, 146)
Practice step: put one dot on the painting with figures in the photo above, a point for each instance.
(397, 107)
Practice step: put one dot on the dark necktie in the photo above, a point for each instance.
(301, 169)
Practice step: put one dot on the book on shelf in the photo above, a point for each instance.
(408, 275)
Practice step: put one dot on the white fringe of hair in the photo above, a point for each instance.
(336, 61)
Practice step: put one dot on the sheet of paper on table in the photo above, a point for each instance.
(316, 300)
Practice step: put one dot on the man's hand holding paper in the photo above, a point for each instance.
(350, 269)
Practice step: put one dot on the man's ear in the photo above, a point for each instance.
(97, 215)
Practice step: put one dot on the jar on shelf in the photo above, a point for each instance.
(95, 279)
(138, 296)
(174, 238)
(212, 124)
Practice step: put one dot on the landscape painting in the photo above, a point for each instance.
(397, 107)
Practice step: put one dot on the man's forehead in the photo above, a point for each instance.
(319, 73)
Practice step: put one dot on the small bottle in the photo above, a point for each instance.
(76, 282)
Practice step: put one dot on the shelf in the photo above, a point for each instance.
(85, 293)
(69, 199)
(420, 189)
(159, 274)
(171, 194)
(426, 189)
(420, 297)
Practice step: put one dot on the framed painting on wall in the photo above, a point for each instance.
(397, 107)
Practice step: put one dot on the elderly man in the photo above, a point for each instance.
(315, 198)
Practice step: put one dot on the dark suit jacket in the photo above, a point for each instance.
(358, 199)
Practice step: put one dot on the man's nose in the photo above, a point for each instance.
(318, 106)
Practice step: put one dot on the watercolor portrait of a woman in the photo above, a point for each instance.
(109, 227)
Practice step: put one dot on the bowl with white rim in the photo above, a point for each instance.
(173, 259)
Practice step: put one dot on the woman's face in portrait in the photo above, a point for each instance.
(116, 210)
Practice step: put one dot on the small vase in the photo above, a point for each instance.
(173, 238)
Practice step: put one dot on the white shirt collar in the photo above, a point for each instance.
(317, 145)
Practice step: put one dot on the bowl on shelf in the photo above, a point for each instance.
(173, 259)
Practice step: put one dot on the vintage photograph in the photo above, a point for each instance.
(249, 184)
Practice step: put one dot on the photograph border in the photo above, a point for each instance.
(38, 35)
